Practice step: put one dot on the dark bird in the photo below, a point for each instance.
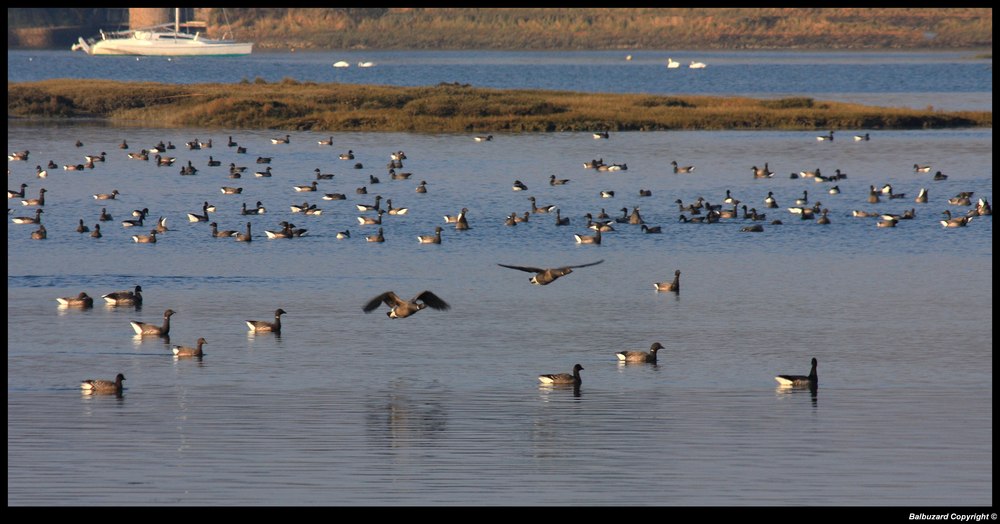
(224, 233)
(399, 308)
(544, 276)
(37, 219)
(263, 326)
(82, 301)
(124, 298)
(431, 239)
(14, 193)
(674, 286)
(187, 351)
(563, 378)
(540, 209)
(681, 169)
(40, 234)
(145, 329)
(811, 380)
(589, 239)
(103, 386)
(640, 356)
(244, 237)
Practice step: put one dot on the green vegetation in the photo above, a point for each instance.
(571, 28)
(446, 108)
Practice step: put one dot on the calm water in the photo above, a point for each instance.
(951, 80)
(444, 408)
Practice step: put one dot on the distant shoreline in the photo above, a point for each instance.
(546, 28)
(446, 108)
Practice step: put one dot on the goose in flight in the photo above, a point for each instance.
(545, 276)
(399, 308)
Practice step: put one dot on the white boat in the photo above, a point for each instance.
(161, 40)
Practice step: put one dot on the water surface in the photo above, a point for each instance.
(444, 408)
(949, 80)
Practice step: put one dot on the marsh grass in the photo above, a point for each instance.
(293, 105)
(612, 28)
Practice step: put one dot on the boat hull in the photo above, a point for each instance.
(147, 44)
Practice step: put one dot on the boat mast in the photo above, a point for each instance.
(177, 20)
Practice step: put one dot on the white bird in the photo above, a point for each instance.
(672, 64)
(696, 65)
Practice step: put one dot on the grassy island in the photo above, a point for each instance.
(445, 108)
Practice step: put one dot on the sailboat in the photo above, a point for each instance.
(161, 40)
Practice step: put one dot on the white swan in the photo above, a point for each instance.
(672, 64)
(365, 64)
(341, 64)
(697, 65)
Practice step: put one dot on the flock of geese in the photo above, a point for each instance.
(700, 211)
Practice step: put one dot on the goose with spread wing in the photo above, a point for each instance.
(545, 276)
(399, 308)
